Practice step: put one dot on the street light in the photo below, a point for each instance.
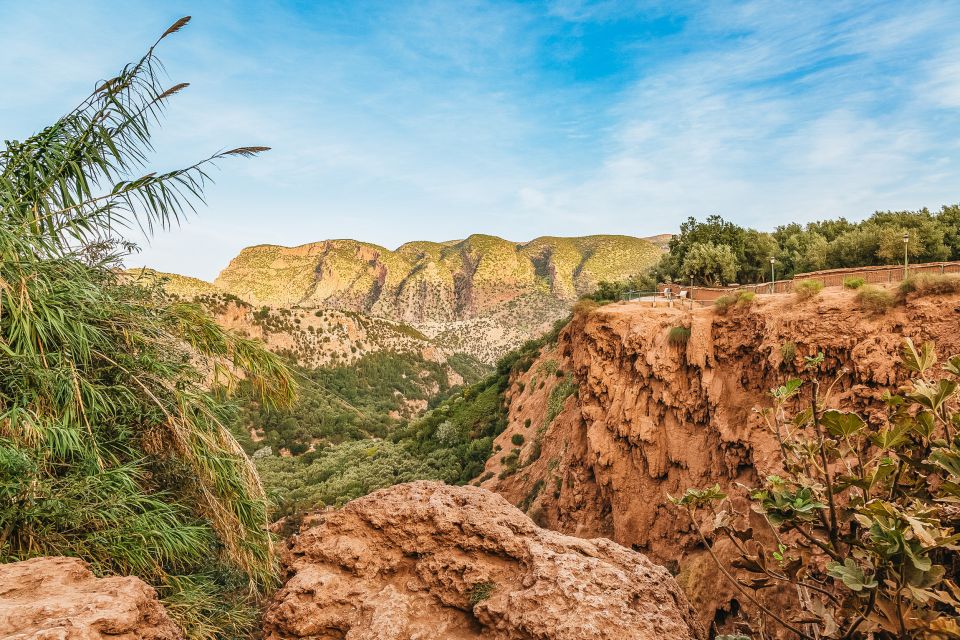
(906, 258)
(773, 275)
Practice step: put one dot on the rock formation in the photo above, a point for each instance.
(633, 418)
(56, 598)
(425, 560)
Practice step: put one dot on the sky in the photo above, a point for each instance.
(426, 120)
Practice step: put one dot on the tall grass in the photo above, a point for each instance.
(807, 289)
(874, 299)
(926, 284)
(113, 400)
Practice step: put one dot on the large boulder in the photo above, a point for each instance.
(59, 599)
(425, 560)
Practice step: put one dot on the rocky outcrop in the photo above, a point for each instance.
(426, 560)
(55, 598)
(632, 418)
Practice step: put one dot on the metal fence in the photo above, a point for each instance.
(829, 278)
(662, 299)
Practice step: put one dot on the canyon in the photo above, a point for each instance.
(614, 418)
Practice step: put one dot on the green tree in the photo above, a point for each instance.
(710, 264)
(113, 398)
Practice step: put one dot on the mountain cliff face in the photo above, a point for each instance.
(483, 295)
(613, 418)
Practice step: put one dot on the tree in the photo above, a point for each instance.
(710, 264)
(113, 398)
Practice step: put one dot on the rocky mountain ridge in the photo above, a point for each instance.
(483, 295)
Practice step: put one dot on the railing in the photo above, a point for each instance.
(828, 277)
(661, 299)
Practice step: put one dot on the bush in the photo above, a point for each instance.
(862, 515)
(584, 306)
(788, 351)
(480, 592)
(739, 299)
(678, 336)
(517, 439)
(927, 284)
(875, 299)
(806, 289)
(851, 282)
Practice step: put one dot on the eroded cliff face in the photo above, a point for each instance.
(649, 419)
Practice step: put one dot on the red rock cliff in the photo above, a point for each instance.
(649, 418)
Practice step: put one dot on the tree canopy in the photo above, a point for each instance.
(826, 244)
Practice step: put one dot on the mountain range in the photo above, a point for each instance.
(482, 295)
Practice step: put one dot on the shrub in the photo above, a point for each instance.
(532, 495)
(862, 515)
(926, 284)
(558, 395)
(526, 423)
(584, 306)
(740, 299)
(517, 439)
(678, 336)
(788, 351)
(875, 299)
(480, 592)
(806, 289)
(851, 282)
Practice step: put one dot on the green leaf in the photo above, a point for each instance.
(851, 574)
(953, 365)
(918, 360)
(932, 395)
(699, 497)
(946, 459)
(789, 388)
(842, 424)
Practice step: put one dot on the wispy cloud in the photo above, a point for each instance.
(399, 121)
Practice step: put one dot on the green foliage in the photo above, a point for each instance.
(709, 264)
(113, 399)
(926, 284)
(851, 282)
(452, 442)
(788, 351)
(607, 291)
(806, 289)
(738, 299)
(517, 439)
(874, 299)
(827, 244)
(558, 395)
(480, 592)
(338, 474)
(678, 336)
(343, 403)
(862, 520)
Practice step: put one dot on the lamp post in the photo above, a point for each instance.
(906, 258)
(773, 275)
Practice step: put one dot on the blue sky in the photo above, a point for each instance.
(395, 121)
